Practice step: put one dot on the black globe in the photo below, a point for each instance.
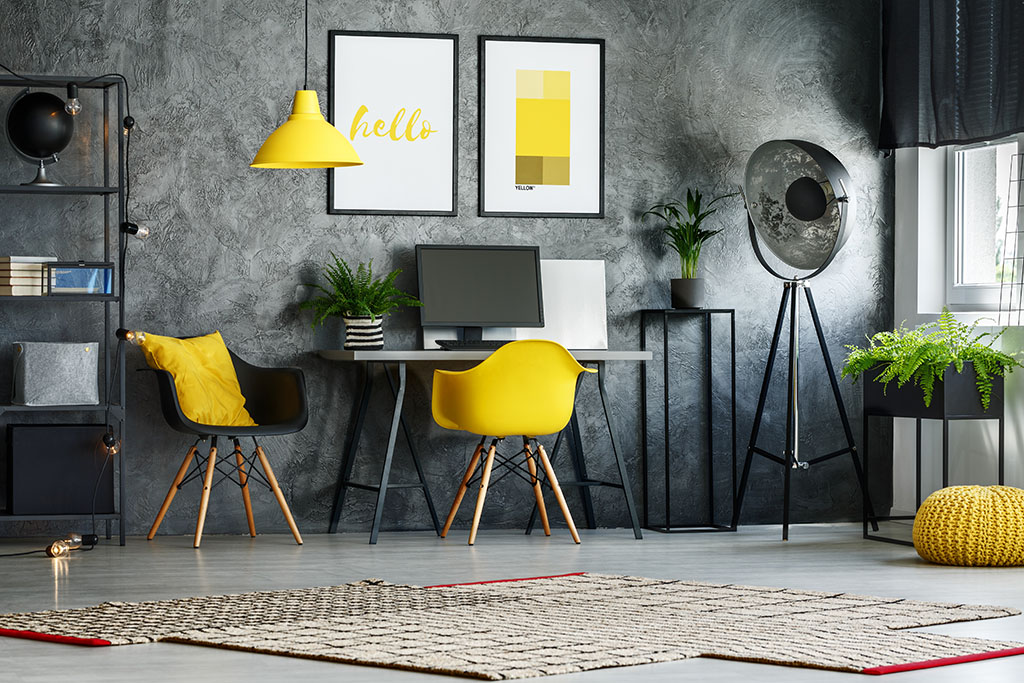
(38, 126)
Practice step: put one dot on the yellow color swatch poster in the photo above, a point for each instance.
(542, 127)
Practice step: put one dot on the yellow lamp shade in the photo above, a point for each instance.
(306, 140)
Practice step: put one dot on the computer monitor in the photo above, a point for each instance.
(472, 287)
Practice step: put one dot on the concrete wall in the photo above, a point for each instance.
(692, 89)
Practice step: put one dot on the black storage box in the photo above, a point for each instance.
(52, 469)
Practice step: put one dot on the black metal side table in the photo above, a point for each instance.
(954, 398)
(706, 317)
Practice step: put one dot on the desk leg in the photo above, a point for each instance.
(579, 465)
(348, 457)
(385, 472)
(623, 476)
(416, 460)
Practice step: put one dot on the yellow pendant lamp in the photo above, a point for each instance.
(306, 139)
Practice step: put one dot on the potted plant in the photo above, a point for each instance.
(924, 358)
(360, 299)
(684, 234)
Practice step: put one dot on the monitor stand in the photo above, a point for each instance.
(470, 338)
(471, 334)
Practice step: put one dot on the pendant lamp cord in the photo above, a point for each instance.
(305, 53)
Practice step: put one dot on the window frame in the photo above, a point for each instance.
(966, 297)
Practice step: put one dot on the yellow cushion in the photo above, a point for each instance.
(972, 526)
(204, 376)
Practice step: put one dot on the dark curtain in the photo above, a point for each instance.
(952, 71)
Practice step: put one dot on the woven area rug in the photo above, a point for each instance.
(538, 627)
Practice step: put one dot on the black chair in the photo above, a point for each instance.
(276, 400)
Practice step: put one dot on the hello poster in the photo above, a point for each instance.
(394, 96)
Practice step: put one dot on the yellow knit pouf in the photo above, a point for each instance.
(972, 526)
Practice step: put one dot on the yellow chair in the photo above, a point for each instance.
(525, 388)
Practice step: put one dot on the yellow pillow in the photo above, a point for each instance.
(204, 376)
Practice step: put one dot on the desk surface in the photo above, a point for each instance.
(411, 355)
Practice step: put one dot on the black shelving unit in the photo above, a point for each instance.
(705, 316)
(111, 193)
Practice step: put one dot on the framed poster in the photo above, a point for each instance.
(541, 127)
(395, 96)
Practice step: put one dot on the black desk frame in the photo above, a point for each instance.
(706, 315)
(348, 459)
(398, 420)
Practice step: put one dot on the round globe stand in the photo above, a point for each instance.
(38, 128)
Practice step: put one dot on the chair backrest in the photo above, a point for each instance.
(274, 397)
(525, 387)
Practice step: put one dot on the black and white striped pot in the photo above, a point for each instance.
(363, 332)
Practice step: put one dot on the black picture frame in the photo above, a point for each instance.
(331, 58)
(481, 118)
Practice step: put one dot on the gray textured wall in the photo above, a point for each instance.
(692, 88)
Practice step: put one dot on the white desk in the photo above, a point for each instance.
(401, 359)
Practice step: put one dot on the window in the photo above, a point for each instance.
(978, 183)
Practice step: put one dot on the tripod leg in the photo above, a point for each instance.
(769, 366)
(791, 410)
(840, 406)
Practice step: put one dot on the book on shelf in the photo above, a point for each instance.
(16, 261)
(22, 290)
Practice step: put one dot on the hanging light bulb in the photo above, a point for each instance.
(137, 337)
(139, 232)
(111, 443)
(73, 105)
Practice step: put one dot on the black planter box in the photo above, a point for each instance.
(956, 396)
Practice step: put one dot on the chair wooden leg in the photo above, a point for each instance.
(553, 481)
(537, 491)
(462, 489)
(484, 480)
(243, 479)
(172, 492)
(204, 502)
(278, 494)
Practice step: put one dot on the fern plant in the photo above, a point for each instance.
(924, 354)
(683, 231)
(356, 293)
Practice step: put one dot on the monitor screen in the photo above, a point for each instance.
(479, 286)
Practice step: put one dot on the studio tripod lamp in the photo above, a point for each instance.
(800, 206)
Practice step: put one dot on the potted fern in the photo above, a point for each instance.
(360, 299)
(940, 368)
(684, 235)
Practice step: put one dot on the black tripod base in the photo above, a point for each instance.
(789, 460)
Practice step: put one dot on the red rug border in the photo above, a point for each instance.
(525, 578)
(54, 638)
(945, 661)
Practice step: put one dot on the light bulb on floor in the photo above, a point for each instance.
(64, 546)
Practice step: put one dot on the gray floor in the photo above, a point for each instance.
(821, 557)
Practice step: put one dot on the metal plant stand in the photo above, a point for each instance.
(706, 316)
(954, 398)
